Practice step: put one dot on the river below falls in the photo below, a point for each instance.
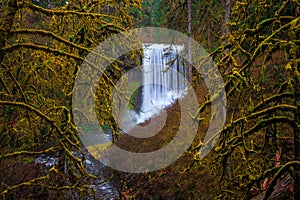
(103, 190)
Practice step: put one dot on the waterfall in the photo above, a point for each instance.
(163, 79)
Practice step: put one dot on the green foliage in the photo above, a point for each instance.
(133, 96)
(259, 59)
(42, 48)
(151, 14)
(44, 44)
(28, 160)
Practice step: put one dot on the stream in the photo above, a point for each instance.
(105, 191)
(164, 81)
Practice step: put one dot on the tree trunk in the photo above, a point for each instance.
(281, 189)
(6, 25)
(208, 36)
(297, 140)
(189, 42)
(226, 4)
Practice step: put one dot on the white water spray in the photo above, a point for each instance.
(162, 83)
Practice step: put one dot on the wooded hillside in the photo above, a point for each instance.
(254, 44)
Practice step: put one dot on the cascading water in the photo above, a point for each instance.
(163, 79)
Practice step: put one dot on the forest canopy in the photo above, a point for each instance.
(255, 46)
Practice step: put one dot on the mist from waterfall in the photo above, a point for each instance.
(163, 79)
